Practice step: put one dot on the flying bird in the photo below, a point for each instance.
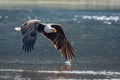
(52, 32)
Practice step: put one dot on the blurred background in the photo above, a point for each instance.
(70, 4)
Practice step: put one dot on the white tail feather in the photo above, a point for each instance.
(17, 28)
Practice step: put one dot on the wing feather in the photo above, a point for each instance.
(29, 33)
(62, 44)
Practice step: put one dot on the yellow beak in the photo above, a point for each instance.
(54, 30)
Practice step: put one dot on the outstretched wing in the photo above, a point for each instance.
(62, 44)
(29, 33)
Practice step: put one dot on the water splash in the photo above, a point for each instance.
(68, 62)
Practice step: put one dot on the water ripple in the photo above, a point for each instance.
(68, 72)
(106, 18)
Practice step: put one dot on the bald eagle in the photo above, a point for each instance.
(52, 32)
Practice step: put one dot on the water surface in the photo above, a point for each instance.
(94, 35)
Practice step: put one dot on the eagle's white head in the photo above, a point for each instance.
(49, 29)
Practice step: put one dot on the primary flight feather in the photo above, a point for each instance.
(53, 32)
